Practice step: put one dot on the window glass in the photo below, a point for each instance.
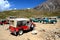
(21, 23)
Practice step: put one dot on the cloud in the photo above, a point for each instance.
(4, 5)
(28, 8)
(14, 8)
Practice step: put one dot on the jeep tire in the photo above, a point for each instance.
(32, 27)
(15, 33)
(20, 32)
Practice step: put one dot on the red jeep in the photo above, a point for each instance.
(18, 25)
(4, 21)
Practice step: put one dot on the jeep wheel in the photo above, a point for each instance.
(54, 22)
(42, 22)
(32, 27)
(20, 32)
(15, 33)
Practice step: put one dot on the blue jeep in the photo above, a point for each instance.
(36, 20)
(49, 20)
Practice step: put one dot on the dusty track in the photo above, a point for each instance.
(42, 29)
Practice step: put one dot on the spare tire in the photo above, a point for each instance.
(32, 27)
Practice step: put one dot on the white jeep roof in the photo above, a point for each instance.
(20, 19)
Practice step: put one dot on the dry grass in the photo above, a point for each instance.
(28, 13)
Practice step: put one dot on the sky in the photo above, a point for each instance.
(18, 4)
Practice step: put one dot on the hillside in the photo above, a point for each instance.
(49, 5)
(28, 13)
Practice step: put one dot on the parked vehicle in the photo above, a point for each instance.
(53, 20)
(18, 25)
(49, 20)
(45, 20)
(11, 17)
(3, 21)
(36, 20)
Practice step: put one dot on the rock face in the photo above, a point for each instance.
(50, 5)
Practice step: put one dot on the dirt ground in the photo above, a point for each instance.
(44, 32)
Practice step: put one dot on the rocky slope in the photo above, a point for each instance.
(50, 5)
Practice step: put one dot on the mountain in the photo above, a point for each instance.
(49, 5)
(47, 8)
